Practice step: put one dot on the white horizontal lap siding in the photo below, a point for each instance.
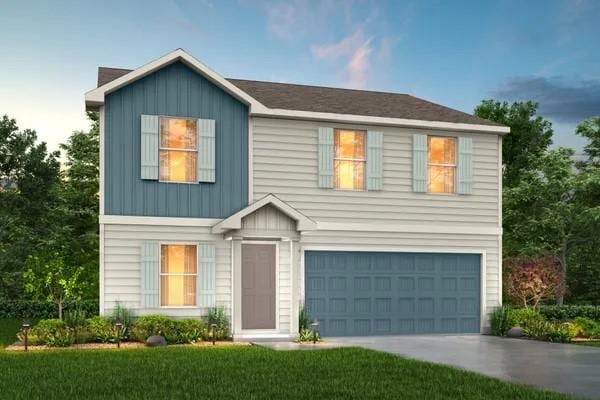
(285, 164)
(419, 242)
(122, 271)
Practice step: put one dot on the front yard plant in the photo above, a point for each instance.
(536, 324)
(123, 326)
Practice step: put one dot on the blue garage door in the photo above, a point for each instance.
(377, 293)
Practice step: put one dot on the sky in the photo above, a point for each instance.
(455, 53)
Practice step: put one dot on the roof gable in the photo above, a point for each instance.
(303, 223)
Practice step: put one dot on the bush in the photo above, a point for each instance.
(303, 319)
(190, 330)
(42, 309)
(524, 317)
(217, 315)
(307, 335)
(103, 330)
(587, 328)
(75, 318)
(500, 320)
(150, 325)
(570, 312)
(61, 338)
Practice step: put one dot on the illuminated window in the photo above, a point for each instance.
(442, 164)
(349, 159)
(178, 270)
(178, 150)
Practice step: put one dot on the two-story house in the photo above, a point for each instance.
(381, 212)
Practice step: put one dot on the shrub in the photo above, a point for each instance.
(588, 328)
(303, 319)
(46, 328)
(500, 320)
(308, 336)
(61, 338)
(570, 312)
(42, 309)
(190, 330)
(123, 314)
(523, 317)
(75, 318)
(217, 315)
(150, 325)
(102, 329)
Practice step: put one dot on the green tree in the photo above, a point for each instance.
(80, 202)
(549, 210)
(29, 177)
(49, 277)
(590, 129)
(530, 134)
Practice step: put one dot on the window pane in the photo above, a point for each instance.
(178, 290)
(178, 133)
(178, 166)
(178, 259)
(349, 174)
(442, 150)
(349, 144)
(441, 179)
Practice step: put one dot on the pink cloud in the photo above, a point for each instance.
(354, 50)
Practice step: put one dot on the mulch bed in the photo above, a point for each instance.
(18, 346)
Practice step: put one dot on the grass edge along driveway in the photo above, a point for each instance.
(249, 372)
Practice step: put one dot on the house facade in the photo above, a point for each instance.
(379, 212)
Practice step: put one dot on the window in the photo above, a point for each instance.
(442, 164)
(349, 159)
(178, 150)
(178, 270)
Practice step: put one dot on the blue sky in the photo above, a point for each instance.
(451, 52)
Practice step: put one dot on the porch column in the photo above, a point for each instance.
(236, 291)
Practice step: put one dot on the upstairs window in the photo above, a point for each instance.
(349, 159)
(441, 164)
(178, 150)
(178, 270)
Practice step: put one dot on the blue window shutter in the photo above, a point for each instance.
(419, 163)
(374, 160)
(207, 279)
(326, 157)
(465, 165)
(149, 147)
(206, 150)
(149, 274)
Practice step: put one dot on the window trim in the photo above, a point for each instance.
(181, 243)
(160, 148)
(364, 161)
(454, 165)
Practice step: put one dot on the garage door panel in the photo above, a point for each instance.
(364, 293)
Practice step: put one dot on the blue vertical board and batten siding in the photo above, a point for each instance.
(175, 91)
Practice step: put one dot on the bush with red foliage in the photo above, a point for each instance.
(528, 281)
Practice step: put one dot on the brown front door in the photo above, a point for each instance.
(258, 286)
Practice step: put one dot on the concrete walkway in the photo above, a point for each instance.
(563, 368)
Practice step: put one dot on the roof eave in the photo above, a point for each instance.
(380, 121)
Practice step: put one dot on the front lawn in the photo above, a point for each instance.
(247, 372)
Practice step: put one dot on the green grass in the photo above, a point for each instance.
(242, 372)
(8, 331)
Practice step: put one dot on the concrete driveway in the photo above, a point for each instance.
(560, 367)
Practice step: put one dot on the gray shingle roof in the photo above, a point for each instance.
(336, 100)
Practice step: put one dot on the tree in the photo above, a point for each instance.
(549, 210)
(530, 134)
(29, 177)
(48, 277)
(528, 281)
(590, 129)
(80, 202)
